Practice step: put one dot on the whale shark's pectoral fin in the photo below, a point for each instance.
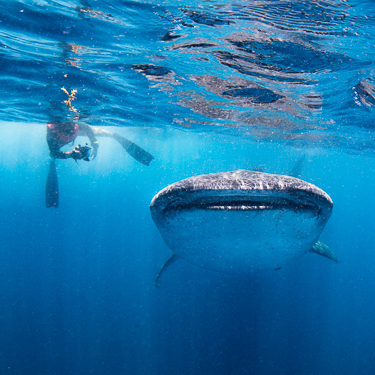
(322, 249)
(168, 263)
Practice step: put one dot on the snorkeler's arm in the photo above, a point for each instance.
(88, 132)
(78, 153)
(57, 154)
(55, 151)
(61, 155)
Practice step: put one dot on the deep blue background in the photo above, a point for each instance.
(77, 282)
(205, 87)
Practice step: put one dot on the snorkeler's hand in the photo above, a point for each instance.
(94, 151)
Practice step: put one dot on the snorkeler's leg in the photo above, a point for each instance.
(134, 150)
(130, 147)
(52, 186)
(101, 132)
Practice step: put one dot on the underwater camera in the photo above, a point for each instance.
(82, 152)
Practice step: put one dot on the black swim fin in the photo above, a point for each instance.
(134, 150)
(52, 186)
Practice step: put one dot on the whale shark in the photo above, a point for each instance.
(241, 221)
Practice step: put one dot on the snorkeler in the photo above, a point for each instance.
(60, 134)
(63, 133)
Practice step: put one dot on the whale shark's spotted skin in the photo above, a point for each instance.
(242, 180)
(241, 220)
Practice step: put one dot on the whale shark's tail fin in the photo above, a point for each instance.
(322, 249)
(297, 169)
(169, 262)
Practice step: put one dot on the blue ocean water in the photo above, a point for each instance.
(204, 86)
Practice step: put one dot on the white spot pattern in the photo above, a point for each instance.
(241, 180)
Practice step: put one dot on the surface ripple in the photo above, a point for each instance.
(300, 73)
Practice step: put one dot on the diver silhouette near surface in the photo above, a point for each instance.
(60, 134)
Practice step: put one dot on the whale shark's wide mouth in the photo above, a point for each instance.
(241, 203)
